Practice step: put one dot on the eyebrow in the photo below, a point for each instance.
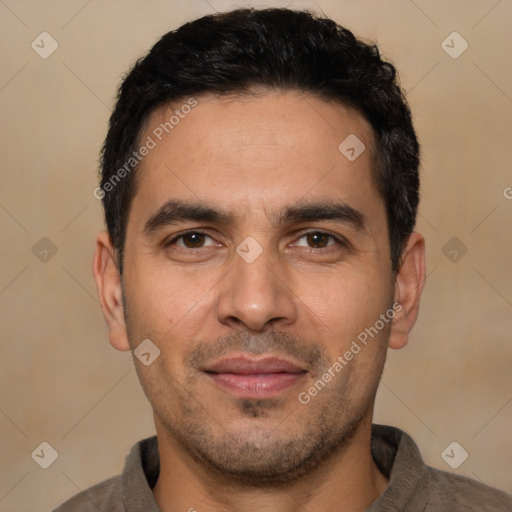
(175, 211)
(316, 211)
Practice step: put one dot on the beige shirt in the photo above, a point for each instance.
(413, 486)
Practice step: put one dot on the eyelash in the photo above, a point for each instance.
(339, 240)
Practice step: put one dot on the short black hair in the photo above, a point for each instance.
(276, 49)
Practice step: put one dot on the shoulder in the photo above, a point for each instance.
(461, 493)
(415, 486)
(103, 496)
(133, 486)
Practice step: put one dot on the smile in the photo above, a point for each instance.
(255, 378)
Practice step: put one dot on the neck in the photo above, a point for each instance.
(348, 481)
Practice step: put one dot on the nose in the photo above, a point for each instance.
(257, 295)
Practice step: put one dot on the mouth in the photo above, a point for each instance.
(250, 377)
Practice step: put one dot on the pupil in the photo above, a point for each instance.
(317, 239)
(194, 239)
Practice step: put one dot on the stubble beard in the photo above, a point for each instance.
(263, 456)
(259, 456)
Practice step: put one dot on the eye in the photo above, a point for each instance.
(318, 240)
(191, 240)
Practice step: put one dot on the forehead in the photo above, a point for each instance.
(267, 150)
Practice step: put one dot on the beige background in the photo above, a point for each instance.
(61, 382)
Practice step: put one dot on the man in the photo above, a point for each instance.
(260, 186)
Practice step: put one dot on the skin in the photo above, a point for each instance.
(305, 298)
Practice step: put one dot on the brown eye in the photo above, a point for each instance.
(318, 240)
(193, 240)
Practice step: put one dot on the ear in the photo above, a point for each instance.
(408, 286)
(108, 283)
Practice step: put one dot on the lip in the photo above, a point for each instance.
(250, 377)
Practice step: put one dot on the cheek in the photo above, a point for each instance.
(165, 304)
(347, 303)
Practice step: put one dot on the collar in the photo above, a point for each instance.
(394, 452)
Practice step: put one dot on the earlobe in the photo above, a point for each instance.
(408, 286)
(109, 285)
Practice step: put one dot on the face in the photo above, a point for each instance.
(256, 256)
